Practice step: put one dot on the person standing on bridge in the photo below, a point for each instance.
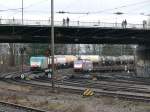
(122, 24)
(0, 20)
(125, 23)
(13, 20)
(67, 21)
(78, 22)
(64, 22)
(49, 20)
(144, 23)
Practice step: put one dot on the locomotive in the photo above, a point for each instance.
(83, 66)
(42, 62)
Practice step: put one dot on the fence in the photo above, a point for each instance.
(72, 23)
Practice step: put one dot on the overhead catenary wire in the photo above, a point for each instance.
(122, 6)
(75, 12)
(106, 10)
(19, 8)
(15, 11)
(80, 14)
(113, 10)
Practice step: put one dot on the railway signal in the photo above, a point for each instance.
(22, 50)
(48, 52)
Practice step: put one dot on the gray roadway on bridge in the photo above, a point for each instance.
(68, 35)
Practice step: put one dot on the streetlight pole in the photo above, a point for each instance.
(52, 41)
(22, 11)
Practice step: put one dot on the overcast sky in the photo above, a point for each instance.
(102, 10)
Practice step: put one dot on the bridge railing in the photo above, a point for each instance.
(71, 23)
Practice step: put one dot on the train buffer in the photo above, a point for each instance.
(88, 92)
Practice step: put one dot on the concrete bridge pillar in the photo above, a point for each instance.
(143, 61)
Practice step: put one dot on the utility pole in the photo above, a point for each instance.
(52, 42)
(22, 11)
(135, 61)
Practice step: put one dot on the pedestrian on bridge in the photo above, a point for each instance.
(122, 24)
(144, 23)
(78, 22)
(64, 22)
(49, 20)
(67, 21)
(125, 23)
(13, 20)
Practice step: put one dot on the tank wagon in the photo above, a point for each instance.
(95, 59)
(119, 60)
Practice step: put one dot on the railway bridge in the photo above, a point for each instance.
(32, 31)
(12, 31)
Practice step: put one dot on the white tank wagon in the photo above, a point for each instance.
(60, 61)
(131, 59)
(117, 60)
(65, 60)
(70, 60)
(94, 58)
(126, 59)
(110, 60)
(123, 60)
(102, 60)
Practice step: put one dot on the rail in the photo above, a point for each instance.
(72, 23)
(78, 90)
(16, 106)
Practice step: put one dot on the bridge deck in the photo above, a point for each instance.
(82, 32)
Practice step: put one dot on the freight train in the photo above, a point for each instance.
(103, 63)
(119, 60)
(80, 63)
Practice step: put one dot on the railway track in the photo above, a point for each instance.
(71, 88)
(113, 78)
(122, 88)
(9, 74)
(129, 79)
(101, 85)
(18, 108)
(18, 74)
